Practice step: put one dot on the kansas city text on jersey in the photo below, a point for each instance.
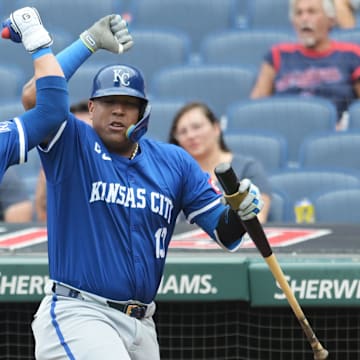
(115, 193)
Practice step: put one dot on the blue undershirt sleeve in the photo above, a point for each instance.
(72, 57)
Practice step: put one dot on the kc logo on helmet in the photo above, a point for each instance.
(122, 77)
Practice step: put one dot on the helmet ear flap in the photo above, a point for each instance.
(135, 132)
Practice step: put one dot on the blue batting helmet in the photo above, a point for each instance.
(123, 80)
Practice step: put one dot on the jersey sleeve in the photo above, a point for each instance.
(58, 155)
(13, 144)
(201, 200)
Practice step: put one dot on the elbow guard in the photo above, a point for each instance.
(230, 230)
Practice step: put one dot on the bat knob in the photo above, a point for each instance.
(321, 355)
(5, 33)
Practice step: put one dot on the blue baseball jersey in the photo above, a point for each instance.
(110, 219)
(330, 74)
(13, 144)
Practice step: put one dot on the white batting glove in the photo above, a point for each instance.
(252, 204)
(110, 33)
(27, 25)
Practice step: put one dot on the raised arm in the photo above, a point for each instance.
(109, 33)
(264, 85)
(27, 130)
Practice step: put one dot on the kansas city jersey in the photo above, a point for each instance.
(13, 144)
(110, 219)
(329, 74)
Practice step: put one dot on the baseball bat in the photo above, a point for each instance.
(230, 185)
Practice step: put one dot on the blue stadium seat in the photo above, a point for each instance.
(331, 150)
(16, 55)
(216, 85)
(196, 18)
(269, 148)
(12, 80)
(298, 184)
(73, 16)
(245, 48)
(293, 117)
(279, 208)
(354, 115)
(10, 109)
(162, 115)
(272, 14)
(153, 50)
(242, 13)
(81, 83)
(346, 35)
(335, 207)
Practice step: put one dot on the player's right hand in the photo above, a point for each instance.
(110, 33)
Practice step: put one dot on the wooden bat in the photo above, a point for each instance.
(230, 185)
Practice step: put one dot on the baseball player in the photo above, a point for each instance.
(113, 200)
(22, 133)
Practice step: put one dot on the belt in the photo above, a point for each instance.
(132, 309)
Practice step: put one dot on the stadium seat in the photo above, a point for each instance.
(218, 86)
(16, 55)
(331, 150)
(354, 116)
(245, 48)
(279, 208)
(12, 79)
(10, 109)
(81, 83)
(73, 16)
(298, 184)
(346, 35)
(293, 117)
(335, 207)
(162, 114)
(267, 14)
(269, 148)
(196, 18)
(153, 50)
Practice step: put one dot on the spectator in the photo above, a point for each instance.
(316, 65)
(196, 129)
(81, 111)
(15, 205)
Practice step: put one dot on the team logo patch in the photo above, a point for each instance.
(212, 183)
(5, 126)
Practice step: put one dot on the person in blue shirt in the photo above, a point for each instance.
(113, 197)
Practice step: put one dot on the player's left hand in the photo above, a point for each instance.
(25, 25)
(110, 33)
(252, 203)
